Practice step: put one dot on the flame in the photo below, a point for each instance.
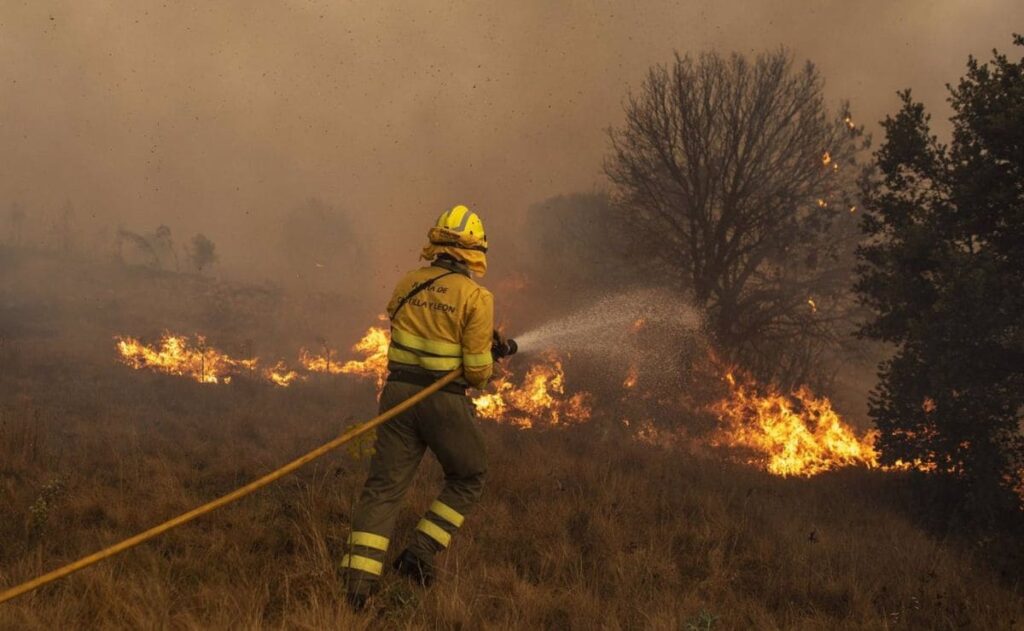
(639, 324)
(849, 123)
(281, 375)
(325, 363)
(174, 355)
(826, 159)
(822, 203)
(813, 305)
(374, 347)
(790, 435)
(539, 400)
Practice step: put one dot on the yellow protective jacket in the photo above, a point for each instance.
(447, 325)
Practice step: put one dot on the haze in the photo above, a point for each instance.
(218, 117)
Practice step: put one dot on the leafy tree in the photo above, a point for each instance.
(943, 273)
(735, 183)
(202, 252)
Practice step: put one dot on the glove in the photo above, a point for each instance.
(502, 347)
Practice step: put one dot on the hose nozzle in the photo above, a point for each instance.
(503, 347)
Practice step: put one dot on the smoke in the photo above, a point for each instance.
(221, 117)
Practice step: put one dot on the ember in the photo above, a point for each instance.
(631, 378)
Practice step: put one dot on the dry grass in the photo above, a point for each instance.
(578, 529)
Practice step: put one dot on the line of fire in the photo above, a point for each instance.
(787, 434)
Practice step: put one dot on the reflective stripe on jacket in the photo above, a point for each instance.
(447, 325)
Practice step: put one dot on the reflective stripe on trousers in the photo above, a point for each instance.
(444, 423)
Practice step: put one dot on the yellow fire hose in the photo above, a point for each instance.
(233, 496)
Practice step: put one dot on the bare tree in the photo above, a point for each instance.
(141, 245)
(156, 249)
(163, 246)
(735, 183)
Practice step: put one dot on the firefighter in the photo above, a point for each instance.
(441, 319)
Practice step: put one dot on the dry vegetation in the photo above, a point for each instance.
(578, 529)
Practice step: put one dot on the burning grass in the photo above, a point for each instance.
(373, 347)
(176, 355)
(197, 360)
(539, 400)
(796, 434)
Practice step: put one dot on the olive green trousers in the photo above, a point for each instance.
(445, 423)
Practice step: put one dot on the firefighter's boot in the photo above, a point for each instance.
(357, 601)
(409, 565)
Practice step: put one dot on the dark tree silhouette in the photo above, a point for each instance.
(157, 248)
(163, 246)
(943, 273)
(202, 252)
(736, 184)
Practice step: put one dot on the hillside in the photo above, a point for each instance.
(588, 526)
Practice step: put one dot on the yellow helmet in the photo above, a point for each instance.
(460, 227)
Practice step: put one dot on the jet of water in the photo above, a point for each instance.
(608, 324)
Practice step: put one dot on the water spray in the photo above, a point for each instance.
(606, 325)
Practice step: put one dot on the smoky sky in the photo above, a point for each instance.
(218, 116)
